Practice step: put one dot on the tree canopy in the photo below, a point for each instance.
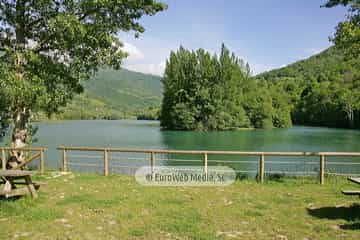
(347, 35)
(48, 47)
(210, 92)
(323, 90)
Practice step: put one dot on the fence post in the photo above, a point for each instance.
(152, 161)
(65, 164)
(205, 160)
(262, 168)
(106, 162)
(3, 159)
(322, 169)
(42, 161)
(152, 164)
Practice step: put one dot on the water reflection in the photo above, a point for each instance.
(147, 135)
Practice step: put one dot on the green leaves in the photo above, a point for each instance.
(204, 92)
(48, 48)
(322, 90)
(347, 36)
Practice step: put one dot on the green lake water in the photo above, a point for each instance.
(148, 135)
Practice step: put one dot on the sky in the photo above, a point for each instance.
(267, 34)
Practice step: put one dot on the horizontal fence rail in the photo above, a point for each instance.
(153, 153)
(32, 153)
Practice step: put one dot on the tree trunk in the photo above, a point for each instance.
(19, 137)
(20, 120)
(21, 114)
(350, 115)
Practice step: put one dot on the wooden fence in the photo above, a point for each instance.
(261, 155)
(34, 153)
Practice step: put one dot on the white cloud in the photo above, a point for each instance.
(140, 62)
(134, 52)
(313, 51)
(151, 68)
(257, 68)
(308, 52)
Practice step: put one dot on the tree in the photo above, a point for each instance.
(210, 92)
(48, 48)
(349, 101)
(322, 90)
(347, 36)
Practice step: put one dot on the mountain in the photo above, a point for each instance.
(125, 88)
(323, 90)
(328, 65)
(116, 94)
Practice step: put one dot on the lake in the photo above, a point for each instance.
(147, 135)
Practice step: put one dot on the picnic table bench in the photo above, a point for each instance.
(352, 192)
(12, 178)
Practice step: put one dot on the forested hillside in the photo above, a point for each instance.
(116, 94)
(125, 88)
(322, 90)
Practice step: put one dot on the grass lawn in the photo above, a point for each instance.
(88, 206)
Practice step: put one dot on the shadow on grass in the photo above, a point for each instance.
(348, 213)
(277, 177)
(10, 199)
(242, 176)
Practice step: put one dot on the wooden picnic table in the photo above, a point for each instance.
(352, 192)
(354, 180)
(10, 179)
